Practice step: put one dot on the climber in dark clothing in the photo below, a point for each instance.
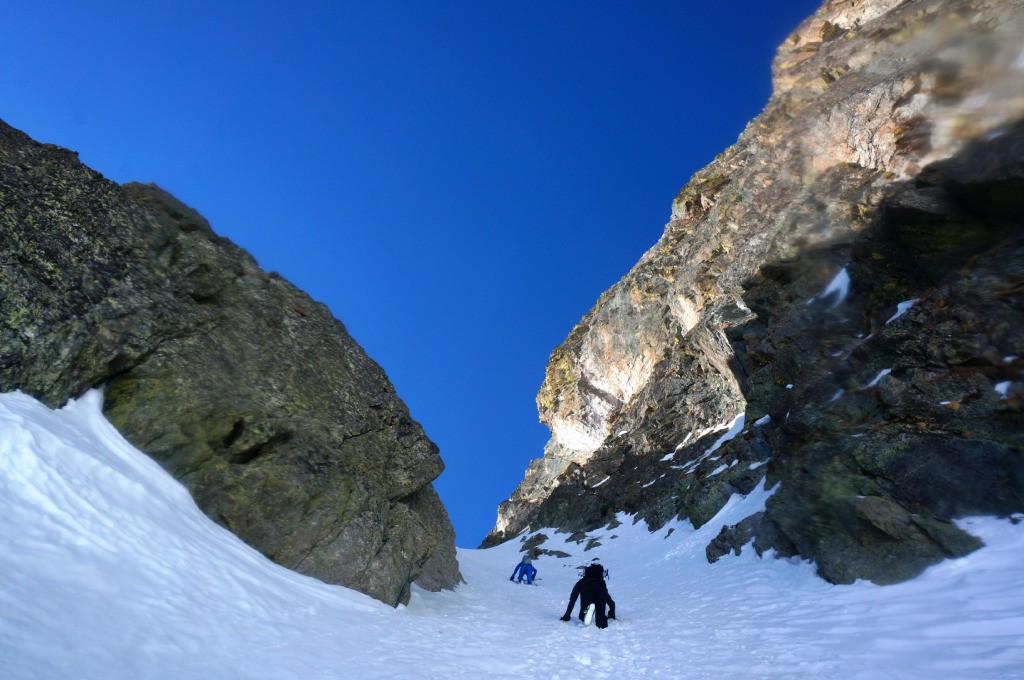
(591, 589)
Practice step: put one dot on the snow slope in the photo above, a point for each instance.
(108, 570)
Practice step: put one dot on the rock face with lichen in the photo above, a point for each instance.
(249, 392)
(889, 162)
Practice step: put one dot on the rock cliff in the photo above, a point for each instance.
(249, 392)
(835, 306)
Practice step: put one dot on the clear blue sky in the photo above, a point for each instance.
(457, 181)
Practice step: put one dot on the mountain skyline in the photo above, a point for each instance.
(458, 182)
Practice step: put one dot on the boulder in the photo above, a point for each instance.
(845, 279)
(240, 385)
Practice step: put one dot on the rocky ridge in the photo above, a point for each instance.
(249, 392)
(889, 163)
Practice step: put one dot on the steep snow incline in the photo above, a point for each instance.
(108, 570)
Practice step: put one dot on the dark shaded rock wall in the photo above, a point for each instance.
(873, 468)
(240, 385)
(891, 151)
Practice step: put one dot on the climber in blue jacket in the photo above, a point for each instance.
(524, 569)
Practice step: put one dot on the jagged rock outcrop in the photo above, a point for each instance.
(240, 385)
(890, 162)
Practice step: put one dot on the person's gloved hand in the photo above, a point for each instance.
(565, 618)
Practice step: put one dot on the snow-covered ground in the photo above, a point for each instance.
(108, 570)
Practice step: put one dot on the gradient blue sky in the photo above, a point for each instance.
(457, 181)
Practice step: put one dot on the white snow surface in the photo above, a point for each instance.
(901, 309)
(838, 288)
(735, 427)
(878, 378)
(108, 570)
